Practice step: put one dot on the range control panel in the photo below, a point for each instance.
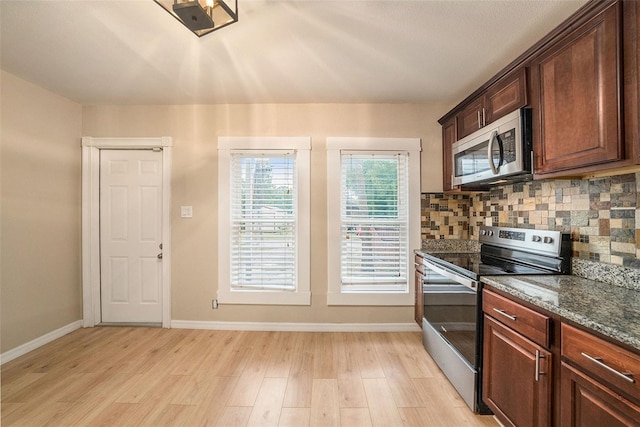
(512, 235)
(543, 241)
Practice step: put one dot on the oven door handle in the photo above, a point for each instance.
(471, 284)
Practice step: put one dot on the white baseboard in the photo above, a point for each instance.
(39, 342)
(296, 327)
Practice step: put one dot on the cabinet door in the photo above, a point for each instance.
(506, 96)
(516, 377)
(585, 403)
(470, 118)
(631, 55)
(419, 299)
(448, 138)
(576, 98)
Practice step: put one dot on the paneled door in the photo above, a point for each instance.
(131, 236)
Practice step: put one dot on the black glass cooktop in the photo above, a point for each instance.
(493, 261)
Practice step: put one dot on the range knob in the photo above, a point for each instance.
(490, 232)
(548, 239)
(483, 232)
(536, 238)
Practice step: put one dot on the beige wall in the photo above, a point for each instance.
(195, 130)
(40, 212)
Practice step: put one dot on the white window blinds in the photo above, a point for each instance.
(263, 221)
(374, 221)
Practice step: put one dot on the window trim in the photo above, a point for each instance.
(302, 294)
(335, 147)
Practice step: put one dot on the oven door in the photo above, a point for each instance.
(451, 308)
(449, 328)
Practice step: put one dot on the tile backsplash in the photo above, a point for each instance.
(600, 213)
(445, 216)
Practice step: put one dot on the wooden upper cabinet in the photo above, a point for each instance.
(576, 96)
(631, 60)
(448, 138)
(470, 118)
(506, 96)
(582, 82)
(503, 97)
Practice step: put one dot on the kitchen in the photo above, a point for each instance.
(568, 201)
(515, 335)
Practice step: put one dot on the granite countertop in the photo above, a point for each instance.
(613, 311)
(449, 246)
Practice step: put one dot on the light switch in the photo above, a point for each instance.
(186, 211)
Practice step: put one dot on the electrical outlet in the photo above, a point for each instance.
(214, 304)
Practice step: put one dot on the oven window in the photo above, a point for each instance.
(451, 309)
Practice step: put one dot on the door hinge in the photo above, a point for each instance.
(157, 149)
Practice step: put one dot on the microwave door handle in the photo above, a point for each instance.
(494, 137)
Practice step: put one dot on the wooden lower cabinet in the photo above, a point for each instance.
(599, 381)
(539, 370)
(517, 377)
(587, 402)
(419, 299)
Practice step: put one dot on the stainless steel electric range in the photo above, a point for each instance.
(452, 322)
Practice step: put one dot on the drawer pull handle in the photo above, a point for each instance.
(598, 361)
(508, 316)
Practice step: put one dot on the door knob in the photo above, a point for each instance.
(160, 255)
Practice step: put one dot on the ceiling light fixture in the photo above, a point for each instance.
(202, 16)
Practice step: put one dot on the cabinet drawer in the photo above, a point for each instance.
(529, 323)
(603, 359)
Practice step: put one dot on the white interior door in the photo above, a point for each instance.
(131, 236)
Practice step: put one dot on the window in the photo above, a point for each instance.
(373, 221)
(264, 220)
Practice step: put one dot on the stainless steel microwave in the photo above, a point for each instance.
(499, 152)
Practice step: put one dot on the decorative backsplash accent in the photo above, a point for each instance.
(445, 216)
(600, 213)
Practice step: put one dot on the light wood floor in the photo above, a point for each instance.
(122, 376)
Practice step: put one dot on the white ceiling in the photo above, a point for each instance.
(134, 52)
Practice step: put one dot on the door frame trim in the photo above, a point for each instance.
(91, 309)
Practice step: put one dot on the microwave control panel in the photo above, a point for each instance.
(508, 140)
